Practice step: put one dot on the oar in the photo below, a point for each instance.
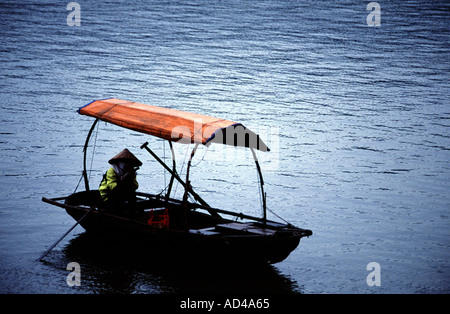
(64, 235)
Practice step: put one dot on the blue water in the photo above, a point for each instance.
(357, 118)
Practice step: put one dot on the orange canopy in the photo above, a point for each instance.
(172, 125)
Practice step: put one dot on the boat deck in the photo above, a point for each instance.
(234, 228)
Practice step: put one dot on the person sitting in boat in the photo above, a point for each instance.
(119, 184)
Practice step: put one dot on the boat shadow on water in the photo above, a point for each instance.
(114, 264)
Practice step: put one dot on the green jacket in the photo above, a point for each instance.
(112, 187)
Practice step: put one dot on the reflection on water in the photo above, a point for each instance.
(114, 265)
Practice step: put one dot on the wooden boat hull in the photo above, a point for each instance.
(204, 237)
(174, 224)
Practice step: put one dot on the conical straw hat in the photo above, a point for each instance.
(126, 156)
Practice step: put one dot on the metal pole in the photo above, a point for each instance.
(262, 185)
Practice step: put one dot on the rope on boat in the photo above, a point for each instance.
(93, 150)
(79, 181)
(181, 172)
(278, 216)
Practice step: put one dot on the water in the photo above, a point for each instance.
(357, 118)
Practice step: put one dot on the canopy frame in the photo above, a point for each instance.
(219, 136)
(86, 143)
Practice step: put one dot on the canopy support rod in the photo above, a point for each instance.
(188, 183)
(262, 185)
(176, 176)
(86, 180)
(174, 170)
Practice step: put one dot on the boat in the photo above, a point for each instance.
(182, 224)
